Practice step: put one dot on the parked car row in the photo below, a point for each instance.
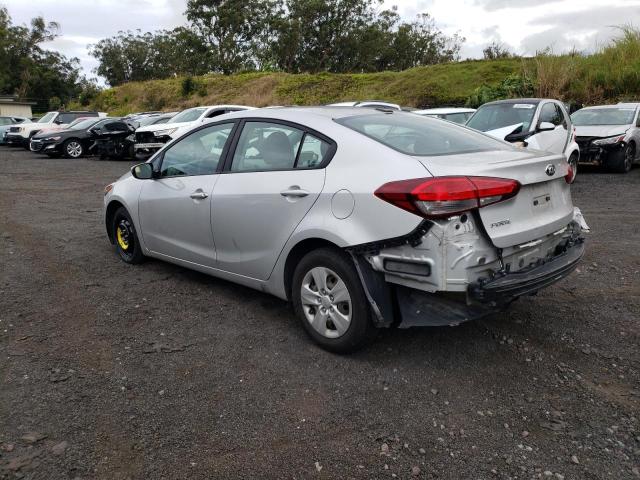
(369, 215)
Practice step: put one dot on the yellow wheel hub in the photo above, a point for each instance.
(121, 235)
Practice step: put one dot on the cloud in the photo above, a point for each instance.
(492, 5)
(582, 30)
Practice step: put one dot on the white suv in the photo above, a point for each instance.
(21, 134)
(152, 138)
(539, 123)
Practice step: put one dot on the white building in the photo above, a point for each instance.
(11, 106)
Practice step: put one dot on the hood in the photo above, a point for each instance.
(501, 133)
(165, 126)
(600, 130)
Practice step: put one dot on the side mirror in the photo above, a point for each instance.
(57, 122)
(142, 171)
(546, 126)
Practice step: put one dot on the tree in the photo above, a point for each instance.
(230, 28)
(496, 50)
(136, 56)
(30, 71)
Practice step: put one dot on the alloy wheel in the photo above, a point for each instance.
(74, 149)
(326, 302)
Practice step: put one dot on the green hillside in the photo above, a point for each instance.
(611, 74)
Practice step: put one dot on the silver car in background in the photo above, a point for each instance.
(361, 218)
(609, 135)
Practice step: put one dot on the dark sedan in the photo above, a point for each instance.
(75, 142)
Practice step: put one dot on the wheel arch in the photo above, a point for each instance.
(110, 212)
(297, 253)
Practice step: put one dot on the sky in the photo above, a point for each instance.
(523, 26)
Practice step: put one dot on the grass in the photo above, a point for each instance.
(611, 74)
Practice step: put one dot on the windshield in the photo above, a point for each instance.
(603, 116)
(415, 135)
(48, 117)
(83, 124)
(500, 115)
(5, 121)
(190, 115)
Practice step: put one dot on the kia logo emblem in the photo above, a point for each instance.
(550, 170)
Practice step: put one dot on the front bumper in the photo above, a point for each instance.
(15, 139)
(40, 146)
(505, 287)
(591, 154)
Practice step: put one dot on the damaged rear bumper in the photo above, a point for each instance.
(451, 275)
(508, 286)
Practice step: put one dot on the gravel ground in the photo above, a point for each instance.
(112, 371)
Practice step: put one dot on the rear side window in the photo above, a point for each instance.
(266, 146)
(70, 117)
(415, 135)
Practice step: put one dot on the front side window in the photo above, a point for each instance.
(416, 135)
(197, 154)
(499, 115)
(266, 146)
(550, 114)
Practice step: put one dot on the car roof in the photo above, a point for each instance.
(613, 105)
(297, 114)
(535, 101)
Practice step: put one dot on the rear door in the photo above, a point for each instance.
(175, 209)
(273, 178)
(553, 141)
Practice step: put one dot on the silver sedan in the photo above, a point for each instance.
(362, 218)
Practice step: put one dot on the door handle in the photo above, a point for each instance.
(199, 195)
(294, 191)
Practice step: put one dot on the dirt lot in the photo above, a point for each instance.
(112, 371)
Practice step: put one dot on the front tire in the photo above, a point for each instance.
(330, 302)
(125, 237)
(622, 160)
(73, 148)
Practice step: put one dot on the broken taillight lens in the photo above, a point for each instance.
(569, 176)
(446, 196)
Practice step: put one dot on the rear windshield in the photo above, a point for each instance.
(415, 135)
(500, 115)
(603, 116)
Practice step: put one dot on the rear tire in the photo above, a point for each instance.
(330, 302)
(573, 161)
(622, 160)
(125, 237)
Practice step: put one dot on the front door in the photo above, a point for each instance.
(175, 209)
(276, 175)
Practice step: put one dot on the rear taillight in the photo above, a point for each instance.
(446, 196)
(569, 176)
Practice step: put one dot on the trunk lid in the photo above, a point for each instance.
(542, 206)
